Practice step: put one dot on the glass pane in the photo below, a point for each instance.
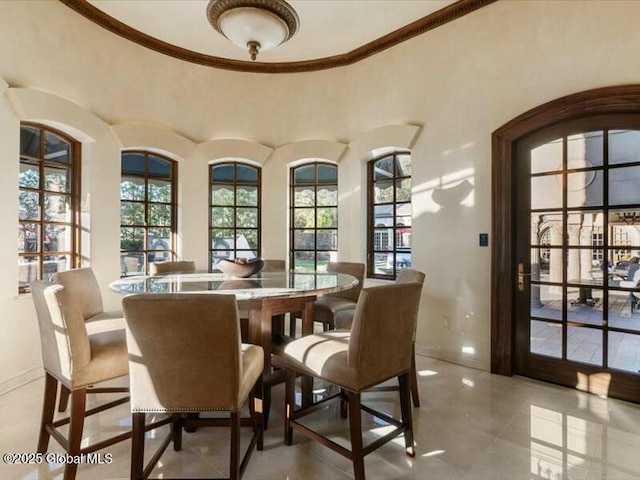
(327, 196)
(327, 240)
(57, 208)
(247, 196)
(624, 226)
(383, 239)
(383, 215)
(546, 301)
(131, 264)
(132, 188)
(131, 213)
(327, 217)
(222, 173)
(583, 229)
(159, 167)
(222, 239)
(159, 239)
(403, 164)
(29, 205)
(403, 214)
(29, 175)
(546, 338)
(304, 218)
(246, 174)
(623, 309)
(304, 174)
(382, 264)
(222, 216)
(623, 185)
(403, 190)
(403, 238)
(57, 179)
(584, 345)
(57, 238)
(549, 227)
(403, 259)
(383, 192)
(624, 146)
(221, 195)
(304, 197)
(247, 217)
(159, 191)
(132, 163)
(547, 157)
(159, 214)
(28, 270)
(585, 303)
(624, 351)
(383, 169)
(546, 192)
(131, 239)
(303, 261)
(55, 148)
(30, 141)
(247, 240)
(323, 259)
(327, 174)
(585, 150)
(584, 189)
(304, 240)
(159, 256)
(56, 263)
(28, 237)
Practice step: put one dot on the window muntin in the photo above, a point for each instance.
(49, 189)
(389, 216)
(234, 211)
(314, 216)
(148, 192)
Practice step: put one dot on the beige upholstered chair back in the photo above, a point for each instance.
(381, 342)
(63, 334)
(184, 352)
(353, 269)
(82, 284)
(180, 266)
(271, 265)
(408, 275)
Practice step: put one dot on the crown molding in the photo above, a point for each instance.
(436, 19)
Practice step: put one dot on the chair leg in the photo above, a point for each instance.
(76, 425)
(137, 445)
(292, 325)
(266, 406)
(64, 398)
(234, 468)
(405, 408)
(48, 408)
(255, 408)
(415, 395)
(355, 432)
(290, 405)
(343, 403)
(176, 429)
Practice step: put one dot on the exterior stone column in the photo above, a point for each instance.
(573, 263)
(535, 262)
(555, 255)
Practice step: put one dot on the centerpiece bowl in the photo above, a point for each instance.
(241, 270)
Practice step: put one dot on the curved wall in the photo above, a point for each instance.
(457, 83)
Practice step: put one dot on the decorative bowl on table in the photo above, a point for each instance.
(240, 270)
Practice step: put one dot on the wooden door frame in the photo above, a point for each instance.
(618, 99)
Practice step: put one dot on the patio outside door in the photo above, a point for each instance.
(577, 245)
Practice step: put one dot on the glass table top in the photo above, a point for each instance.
(261, 285)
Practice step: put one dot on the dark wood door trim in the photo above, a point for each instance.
(618, 99)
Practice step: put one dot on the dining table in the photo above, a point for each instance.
(260, 297)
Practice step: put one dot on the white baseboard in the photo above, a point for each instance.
(448, 356)
(22, 379)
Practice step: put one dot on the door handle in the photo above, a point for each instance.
(521, 277)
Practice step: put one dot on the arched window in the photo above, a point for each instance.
(234, 219)
(148, 192)
(49, 191)
(314, 215)
(389, 215)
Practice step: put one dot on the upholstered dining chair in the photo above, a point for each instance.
(80, 362)
(327, 306)
(186, 357)
(177, 266)
(344, 320)
(377, 349)
(82, 285)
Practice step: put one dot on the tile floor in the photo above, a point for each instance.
(472, 426)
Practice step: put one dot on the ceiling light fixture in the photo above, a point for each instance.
(257, 25)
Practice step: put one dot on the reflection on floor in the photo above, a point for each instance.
(585, 344)
(472, 426)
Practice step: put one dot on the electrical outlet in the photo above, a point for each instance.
(446, 322)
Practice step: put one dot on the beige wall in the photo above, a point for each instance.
(459, 83)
